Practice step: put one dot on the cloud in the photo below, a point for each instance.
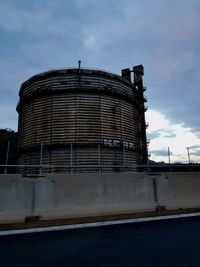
(195, 147)
(195, 153)
(9, 119)
(174, 136)
(162, 133)
(164, 37)
(162, 153)
(154, 134)
(194, 150)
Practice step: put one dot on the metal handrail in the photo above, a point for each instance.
(85, 165)
(121, 168)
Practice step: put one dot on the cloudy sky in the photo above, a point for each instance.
(163, 35)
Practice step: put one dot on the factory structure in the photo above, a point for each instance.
(82, 120)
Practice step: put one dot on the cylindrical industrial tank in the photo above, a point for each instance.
(79, 120)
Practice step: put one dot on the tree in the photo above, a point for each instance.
(8, 135)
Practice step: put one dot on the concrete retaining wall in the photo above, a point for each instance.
(82, 195)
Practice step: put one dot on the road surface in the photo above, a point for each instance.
(174, 242)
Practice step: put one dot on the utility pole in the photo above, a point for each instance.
(169, 155)
(188, 150)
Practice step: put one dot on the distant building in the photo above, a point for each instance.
(82, 120)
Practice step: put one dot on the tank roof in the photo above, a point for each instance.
(73, 71)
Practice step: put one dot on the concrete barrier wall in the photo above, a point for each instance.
(82, 195)
(15, 198)
(93, 194)
(179, 190)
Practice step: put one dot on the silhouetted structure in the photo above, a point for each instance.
(84, 119)
(8, 149)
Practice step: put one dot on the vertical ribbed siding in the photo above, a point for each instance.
(100, 109)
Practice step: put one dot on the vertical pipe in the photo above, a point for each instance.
(7, 156)
(41, 153)
(71, 158)
(138, 82)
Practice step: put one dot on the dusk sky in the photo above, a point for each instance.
(163, 35)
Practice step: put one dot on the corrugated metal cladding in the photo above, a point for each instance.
(79, 120)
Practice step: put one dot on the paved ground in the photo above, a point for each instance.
(159, 243)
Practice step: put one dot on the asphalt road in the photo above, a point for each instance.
(174, 242)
